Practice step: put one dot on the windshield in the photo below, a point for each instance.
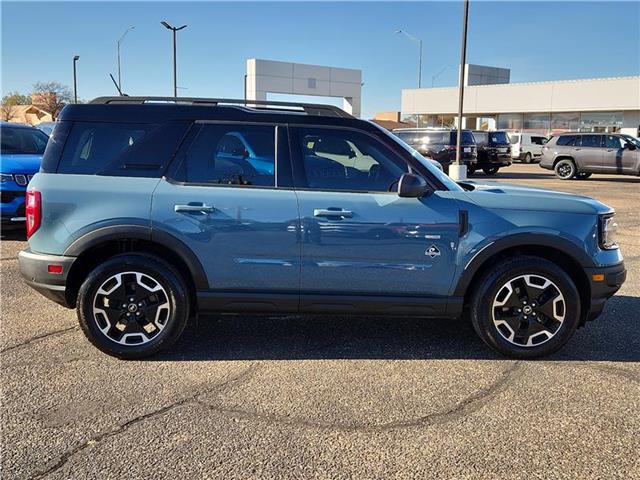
(450, 184)
(514, 138)
(22, 140)
(498, 138)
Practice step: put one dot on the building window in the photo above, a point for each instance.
(608, 122)
(564, 122)
(510, 121)
(536, 122)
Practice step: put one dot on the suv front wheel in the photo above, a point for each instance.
(525, 307)
(133, 306)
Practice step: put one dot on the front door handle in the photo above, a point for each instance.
(193, 207)
(321, 212)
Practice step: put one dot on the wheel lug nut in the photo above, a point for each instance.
(137, 314)
(140, 304)
(519, 310)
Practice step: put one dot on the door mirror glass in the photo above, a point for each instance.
(631, 146)
(412, 186)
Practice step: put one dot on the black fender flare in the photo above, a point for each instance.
(142, 232)
(555, 242)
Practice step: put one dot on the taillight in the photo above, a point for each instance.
(33, 211)
(450, 147)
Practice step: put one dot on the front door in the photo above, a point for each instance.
(359, 238)
(617, 157)
(234, 212)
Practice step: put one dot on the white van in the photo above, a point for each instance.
(527, 147)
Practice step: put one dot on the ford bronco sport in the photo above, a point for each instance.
(147, 211)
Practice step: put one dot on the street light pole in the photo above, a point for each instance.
(459, 172)
(419, 42)
(175, 68)
(75, 82)
(118, 43)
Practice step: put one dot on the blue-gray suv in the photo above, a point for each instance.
(147, 211)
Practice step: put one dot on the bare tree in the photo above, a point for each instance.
(51, 97)
(8, 111)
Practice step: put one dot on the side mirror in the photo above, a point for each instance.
(631, 146)
(412, 186)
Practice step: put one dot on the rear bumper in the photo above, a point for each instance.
(601, 291)
(34, 268)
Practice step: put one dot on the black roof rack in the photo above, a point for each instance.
(256, 105)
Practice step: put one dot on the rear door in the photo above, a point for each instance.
(588, 153)
(359, 239)
(237, 215)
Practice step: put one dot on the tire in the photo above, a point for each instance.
(490, 170)
(505, 288)
(565, 169)
(471, 170)
(583, 175)
(133, 305)
(527, 158)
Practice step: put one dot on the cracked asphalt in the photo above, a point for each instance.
(242, 397)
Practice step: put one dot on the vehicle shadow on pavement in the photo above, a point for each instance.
(612, 337)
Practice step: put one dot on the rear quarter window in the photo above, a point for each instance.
(567, 140)
(120, 149)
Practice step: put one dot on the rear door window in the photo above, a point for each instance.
(230, 154)
(591, 140)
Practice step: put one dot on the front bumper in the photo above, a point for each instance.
(601, 290)
(35, 271)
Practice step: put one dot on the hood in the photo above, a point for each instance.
(514, 197)
(20, 163)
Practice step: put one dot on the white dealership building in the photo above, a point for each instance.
(492, 102)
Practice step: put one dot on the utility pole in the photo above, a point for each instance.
(175, 69)
(459, 171)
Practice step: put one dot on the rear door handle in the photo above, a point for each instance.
(321, 212)
(193, 207)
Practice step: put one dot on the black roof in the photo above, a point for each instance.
(161, 109)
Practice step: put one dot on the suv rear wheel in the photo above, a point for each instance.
(525, 307)
(565, 169)
(133, 306)
(490, 170)
(527, 158)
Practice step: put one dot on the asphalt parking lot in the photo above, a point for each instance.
(332, 398)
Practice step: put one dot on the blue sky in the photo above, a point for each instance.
(536, 40)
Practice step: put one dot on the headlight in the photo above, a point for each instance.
(608, 232)
(5, 177)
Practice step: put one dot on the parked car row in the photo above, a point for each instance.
(481, 150)
(20, 156)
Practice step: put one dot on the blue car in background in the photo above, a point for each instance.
(20, 157)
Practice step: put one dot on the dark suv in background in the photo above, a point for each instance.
(578, 155)
(494, 151)
(440, 145)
